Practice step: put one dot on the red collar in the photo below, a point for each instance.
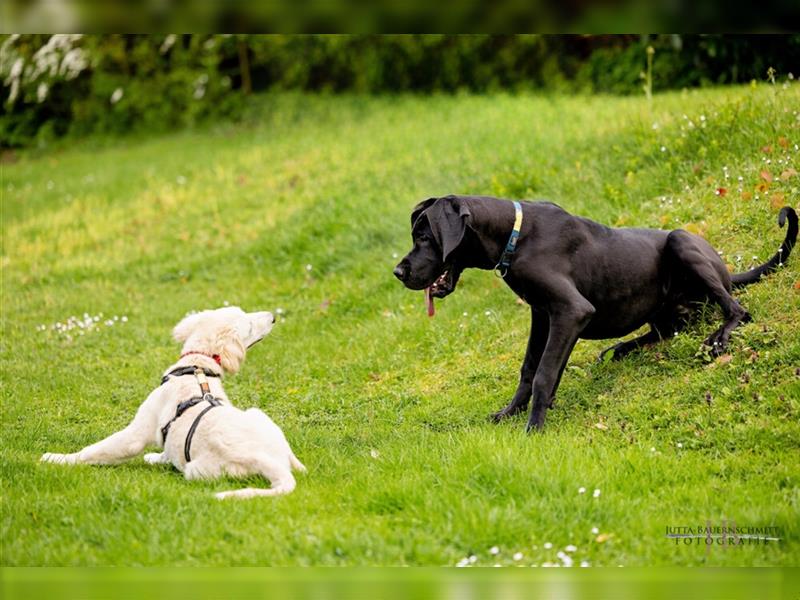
(214, 356)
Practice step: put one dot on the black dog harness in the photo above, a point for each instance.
(207, 396)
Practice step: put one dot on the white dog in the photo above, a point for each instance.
(191, 418)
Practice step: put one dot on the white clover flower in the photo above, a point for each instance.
(581, 490)
(596, 493)
(570, 548)
(494, 550)
(116, 95)
(517, 556)
(547, 545)
(595, 531)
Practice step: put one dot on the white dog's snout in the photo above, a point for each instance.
(255, 326)
(265, 319)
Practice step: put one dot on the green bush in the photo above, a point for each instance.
(119, 84)
(75, 85)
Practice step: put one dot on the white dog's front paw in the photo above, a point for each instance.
(61, 459)
(154, 458)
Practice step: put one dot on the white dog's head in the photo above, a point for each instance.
(227, 332)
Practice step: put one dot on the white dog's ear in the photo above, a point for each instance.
(185, 328)
(231, 349)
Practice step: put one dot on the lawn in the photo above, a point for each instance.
(303, 209)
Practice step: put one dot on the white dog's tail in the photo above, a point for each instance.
(279, 476)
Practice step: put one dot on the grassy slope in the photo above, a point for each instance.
(386, 407)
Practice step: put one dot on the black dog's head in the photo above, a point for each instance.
(437, 229)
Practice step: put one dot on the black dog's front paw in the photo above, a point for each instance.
(512, 409)
(536, 420)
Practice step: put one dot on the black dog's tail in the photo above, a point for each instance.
(739, 280)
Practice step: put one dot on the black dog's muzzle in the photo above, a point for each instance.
(401, 272)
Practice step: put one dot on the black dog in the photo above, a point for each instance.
(580, 278)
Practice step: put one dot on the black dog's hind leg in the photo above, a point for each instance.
(568, 318)
(540, 324)
(702, 262)
(624, 348)
(665, 326)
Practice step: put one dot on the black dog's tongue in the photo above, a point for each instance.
(429, 302)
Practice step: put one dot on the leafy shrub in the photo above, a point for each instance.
(71, 84)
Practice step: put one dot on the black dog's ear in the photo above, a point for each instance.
(420, 208)
(448, 221)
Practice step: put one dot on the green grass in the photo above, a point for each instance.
(386, 407)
